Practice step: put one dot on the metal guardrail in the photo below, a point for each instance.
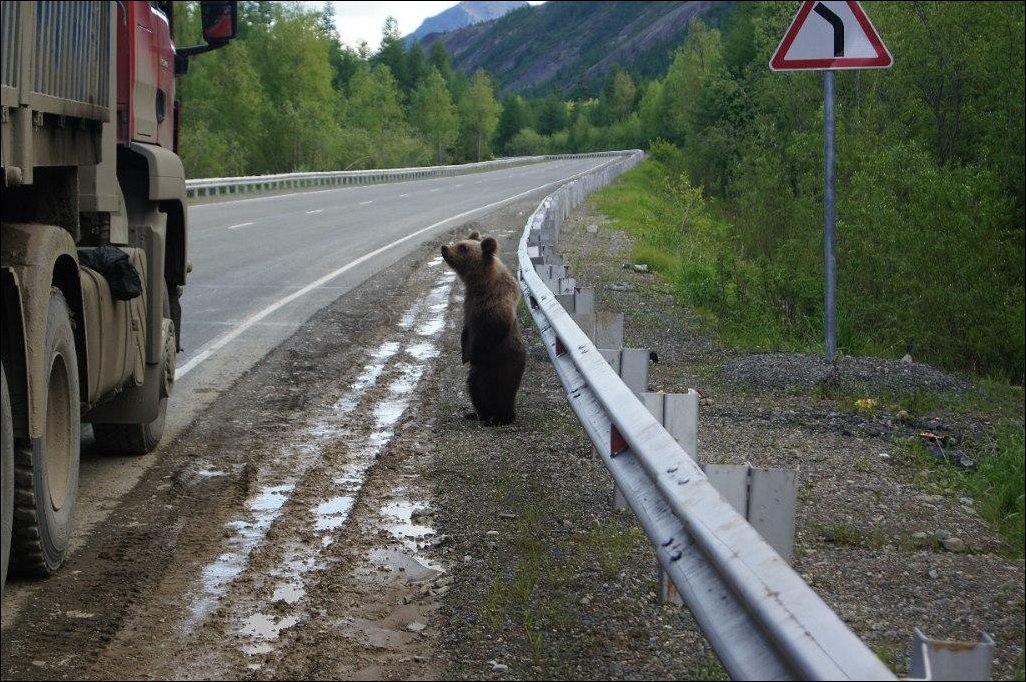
(206, 187)
(761, 618)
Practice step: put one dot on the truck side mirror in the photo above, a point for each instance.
(220, 20)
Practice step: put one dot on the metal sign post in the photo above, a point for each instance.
(829, 218)
(825, 36)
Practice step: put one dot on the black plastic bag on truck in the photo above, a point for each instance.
(116, 268)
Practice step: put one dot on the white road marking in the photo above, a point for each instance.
(232, 227)
(364, 203)
(435, 189)
(223, 341)
(319, 210)
(402, 196)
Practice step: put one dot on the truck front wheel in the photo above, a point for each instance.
(6, 477)
(46, 472)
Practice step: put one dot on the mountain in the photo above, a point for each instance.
(463, 14)
(571, 45)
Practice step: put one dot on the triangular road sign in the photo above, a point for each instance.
(831, 35)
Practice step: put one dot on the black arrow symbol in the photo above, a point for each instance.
(835, 21)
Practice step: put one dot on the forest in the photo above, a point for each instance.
(930, 160)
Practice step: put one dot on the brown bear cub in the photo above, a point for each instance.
(491, 338)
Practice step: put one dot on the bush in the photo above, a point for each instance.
(527, 143)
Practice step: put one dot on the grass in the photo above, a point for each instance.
(996, 486)
(989, 399)
(893, 656)
(524, 316)
(711, 670)
(847, 535)
(612, 544)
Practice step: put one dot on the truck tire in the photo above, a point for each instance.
(46, 472)
(6, 477)
(141, 439)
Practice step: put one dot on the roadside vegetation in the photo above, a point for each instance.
(930, 193)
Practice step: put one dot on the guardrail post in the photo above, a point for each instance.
(680, 419)
(765, 497)
(771, 504)
(631, 364)
(608, 330)
(937, 659)
(661, 406)
(584, 300)
(634, 370)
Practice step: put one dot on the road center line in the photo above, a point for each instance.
(232, 227)
(364, 203)
(318, 210)
(223, 341)
(401, 196)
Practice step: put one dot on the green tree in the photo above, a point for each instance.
(511, 121)
(374, 102)
(415, 69)
(694, 60)
(440, 59)
(392, 52)
(344, 60)
(528, 143)
(293, 65)
(618, 95)
(551, 115)
(479, 114)
(434, 115)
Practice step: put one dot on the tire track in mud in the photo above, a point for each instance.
(331, 527)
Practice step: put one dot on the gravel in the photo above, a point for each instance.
(805, 371)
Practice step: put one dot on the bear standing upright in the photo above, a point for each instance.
(491, 338)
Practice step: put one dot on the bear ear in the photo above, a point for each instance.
(488, 247)
(475, 235)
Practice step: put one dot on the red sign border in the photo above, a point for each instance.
(883, 60)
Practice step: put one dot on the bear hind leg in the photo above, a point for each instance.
(477, 387)
(503, 392)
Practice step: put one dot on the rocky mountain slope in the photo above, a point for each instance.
(464, 14)
(571, 45)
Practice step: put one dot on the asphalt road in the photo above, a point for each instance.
(262, 266)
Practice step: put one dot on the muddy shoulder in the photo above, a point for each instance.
(551, 583)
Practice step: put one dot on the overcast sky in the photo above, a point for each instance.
(363, 20)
